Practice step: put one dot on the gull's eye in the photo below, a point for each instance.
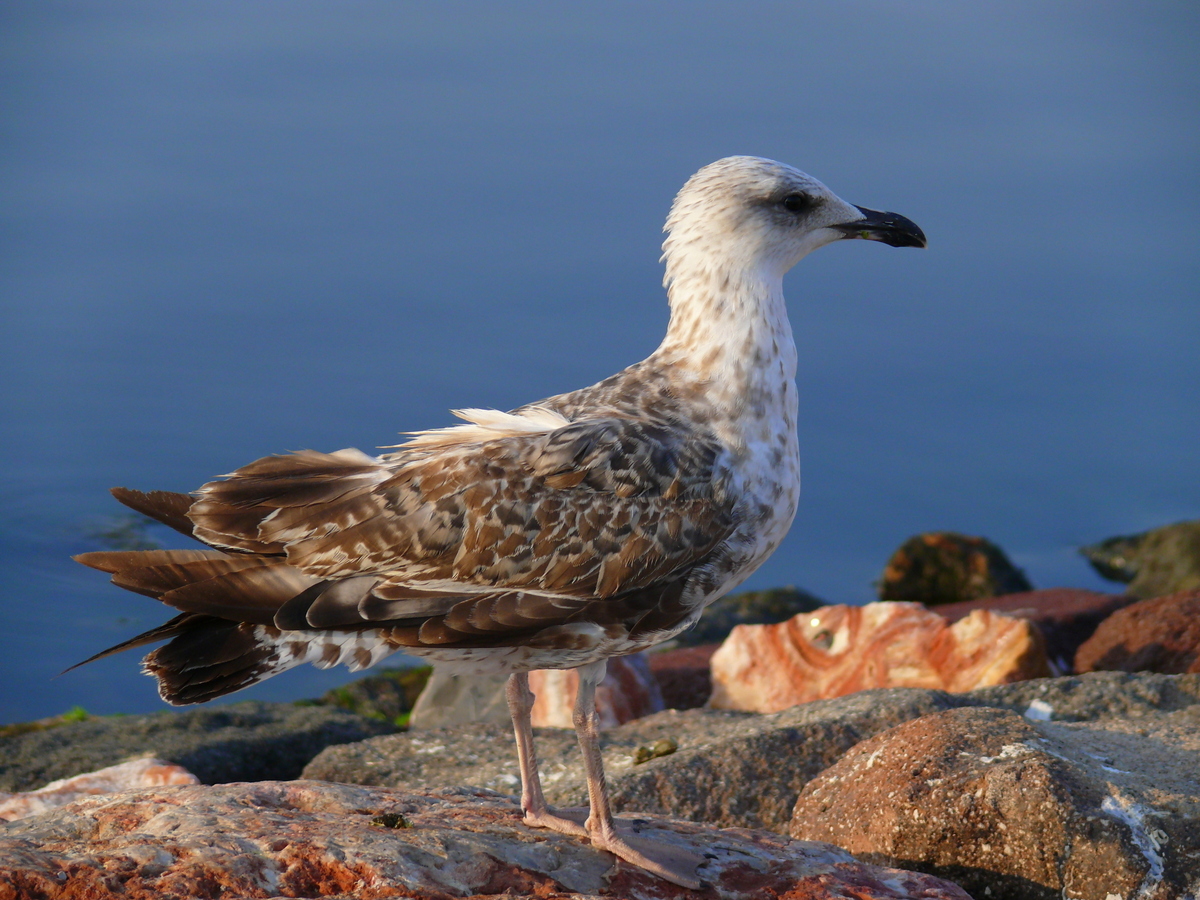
(798, 203)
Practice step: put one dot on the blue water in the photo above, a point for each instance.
(230, 229)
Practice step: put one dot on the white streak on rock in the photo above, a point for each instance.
(1133, 816)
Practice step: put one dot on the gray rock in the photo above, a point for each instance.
(731, 768)
(1092, 696)
(248, 741)
(450, 700)
(1012, 808)
(1153, 563)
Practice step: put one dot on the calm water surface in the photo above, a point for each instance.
(232, 229)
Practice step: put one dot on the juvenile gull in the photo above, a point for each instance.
(587, 525)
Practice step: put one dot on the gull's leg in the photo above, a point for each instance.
(537, 813)
(671, 863)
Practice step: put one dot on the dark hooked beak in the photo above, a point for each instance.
(889, 227)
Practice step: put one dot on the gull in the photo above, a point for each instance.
(590, 524)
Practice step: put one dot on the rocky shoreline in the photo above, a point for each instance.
(1083, 785)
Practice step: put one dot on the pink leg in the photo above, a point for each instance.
(537, 813)
(671, 863)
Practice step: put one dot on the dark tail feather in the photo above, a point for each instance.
(211, 657)
(176, 626)
(233, 586)
(113, 561)
(167, 507)
(206, 658)
(225, 639)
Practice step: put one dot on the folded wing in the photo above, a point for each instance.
(528, 537)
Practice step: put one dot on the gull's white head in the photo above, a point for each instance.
(745, 214)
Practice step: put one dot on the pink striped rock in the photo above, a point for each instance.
(317, 839)
(138, 773)
(629, 691)
(837, 650)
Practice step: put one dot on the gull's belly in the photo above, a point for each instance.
(768, 484)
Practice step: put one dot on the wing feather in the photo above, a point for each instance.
(169, 508)
(552, 534)
(594, 508)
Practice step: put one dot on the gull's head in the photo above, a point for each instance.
(747, 214)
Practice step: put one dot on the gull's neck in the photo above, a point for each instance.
(729, 333)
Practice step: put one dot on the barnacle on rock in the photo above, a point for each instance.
(391, 820)
(661, 747)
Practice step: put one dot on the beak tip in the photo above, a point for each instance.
(889, 228)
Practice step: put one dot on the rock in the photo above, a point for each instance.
(944, 567)
(837, 650)
(628, 691)
(246, 741)
(137, 773)
(1066, 617)
(1092, 697)
(1013, 808)
(74, 714)
(683, 675)
(1158, 635)
(1154, 563)
(747, 608)
(450, 700)
(387, 695)
(310, 839)
(731, 769)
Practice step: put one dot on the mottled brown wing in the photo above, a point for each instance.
(591, 510)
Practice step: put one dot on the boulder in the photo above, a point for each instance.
(1066, 617)
(1158, 635)
(449, 700)
(247, 741)
(944, 567)
(137, 773)
(683, 675)
(1010, 807)
(628, 691)
(730, 768)
(837, 650)
(1154, 563)
(313, 839)
(1091, 697)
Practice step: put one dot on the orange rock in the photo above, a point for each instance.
(1157, 635)
(138, 773)
(837, 650)
(629, 691)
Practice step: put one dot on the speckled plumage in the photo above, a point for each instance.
(586, 525)
(580, 527)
